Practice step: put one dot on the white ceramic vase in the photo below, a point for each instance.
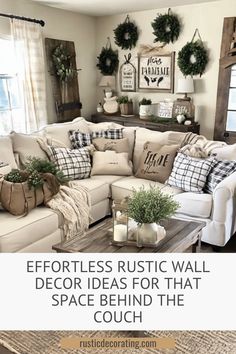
(145, 111)
(150, 233)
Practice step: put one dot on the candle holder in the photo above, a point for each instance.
(120, 223)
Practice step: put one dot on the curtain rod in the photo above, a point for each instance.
(41, 22)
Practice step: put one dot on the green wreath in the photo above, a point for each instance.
(196, 50)
(166, 28)
(62, 63)
(126, 34)
(108, 61)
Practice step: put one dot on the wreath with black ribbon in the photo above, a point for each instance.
(166, 28)
(108, 60)
(193, 57)
(126, 34)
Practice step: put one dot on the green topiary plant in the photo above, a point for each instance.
(151, 206)
(124, 99)
(144, 102)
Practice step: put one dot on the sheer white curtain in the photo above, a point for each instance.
(28, 46)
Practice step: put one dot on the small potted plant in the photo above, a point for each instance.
(126, 105)
(148, 208)
(145, 108)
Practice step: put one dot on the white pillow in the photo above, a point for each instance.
(111, 163)
(6, 151)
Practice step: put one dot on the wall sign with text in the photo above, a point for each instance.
(127, 77)
(156, 72)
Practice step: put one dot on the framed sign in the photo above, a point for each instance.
(127, 77)
(165, 109)
(156, 72)
(183, 107)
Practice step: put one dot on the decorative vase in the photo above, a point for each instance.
(145, 111)
(180, 118)
(150, 233)
(126, 108)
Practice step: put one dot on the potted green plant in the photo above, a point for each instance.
(148, 208)
(145, 108)
(126, 105)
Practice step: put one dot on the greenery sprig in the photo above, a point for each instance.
(196, 51)
(124, 99)
(34, 173)
(145, 102)
(151, 206)
(63, 64)
(166, 28)
(126, 34)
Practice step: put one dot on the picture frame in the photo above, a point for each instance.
(127, 77)
(165, 109)
(156, 72)
(185, 107)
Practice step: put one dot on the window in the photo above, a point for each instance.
(11, 98)
(231, 111)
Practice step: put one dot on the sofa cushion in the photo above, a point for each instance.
(109, 163)
(98, 189)
(124, 187)
(6, 151)
(25, 146)
(156, 161)
(194, 204)
(75, 164)
(18, 232)
(227, 152)
(142, 136)
(60, 131)
(190, 173)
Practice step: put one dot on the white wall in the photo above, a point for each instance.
(208, 18)
(63, 25)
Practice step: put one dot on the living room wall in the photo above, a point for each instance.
(208, 18)
(63, 25)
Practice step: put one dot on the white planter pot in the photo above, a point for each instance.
(150, 233)
(145, 111)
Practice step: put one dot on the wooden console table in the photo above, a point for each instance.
(136, 121)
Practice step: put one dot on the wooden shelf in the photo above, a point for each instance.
(136, 121)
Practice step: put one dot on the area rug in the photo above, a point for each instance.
(187, 342)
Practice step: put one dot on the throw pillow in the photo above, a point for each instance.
(75, 164)
(6, 151)
(79, 139)
(117, 145)
(156, 161)
(111, 163)
(190, 173)
(219, 171)
(25, 146)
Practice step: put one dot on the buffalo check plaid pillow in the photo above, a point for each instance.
(79, 140)
(190, 173)
(75, 164)
(219, 171)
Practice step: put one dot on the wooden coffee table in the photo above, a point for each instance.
(180, 236)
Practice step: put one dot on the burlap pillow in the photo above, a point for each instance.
(117, 145)
(156, 161)
(111, 163)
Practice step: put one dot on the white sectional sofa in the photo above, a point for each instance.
(41, 228)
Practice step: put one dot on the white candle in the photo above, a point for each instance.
(120, 233)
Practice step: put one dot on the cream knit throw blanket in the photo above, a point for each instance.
(73, 202)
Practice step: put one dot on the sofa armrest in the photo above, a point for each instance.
(228, 185)
(224, 204)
